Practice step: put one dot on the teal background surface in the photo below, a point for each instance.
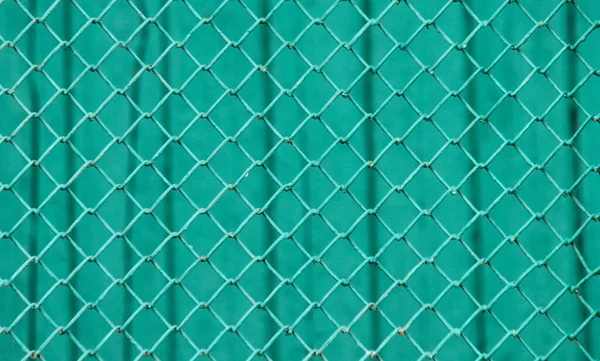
(346, 180)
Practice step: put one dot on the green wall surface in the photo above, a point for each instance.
(299, 180)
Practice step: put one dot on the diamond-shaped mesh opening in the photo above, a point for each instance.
(264, 179)
(427, 339)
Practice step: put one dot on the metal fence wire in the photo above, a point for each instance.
(299, 180)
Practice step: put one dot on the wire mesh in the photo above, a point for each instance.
(299, 179)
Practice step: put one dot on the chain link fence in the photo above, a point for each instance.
(299, 179)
